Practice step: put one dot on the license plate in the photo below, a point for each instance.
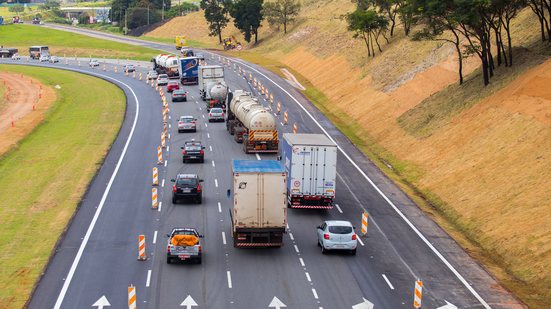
(186, 190)
(193, 157)
(183, 257)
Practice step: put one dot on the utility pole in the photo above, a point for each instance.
(125, 22)
(163, 11)
(148, 13)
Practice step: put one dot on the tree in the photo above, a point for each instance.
(138, 14)
(281, 12)
(368, 25)
(216, 15)
(539, 7)
(50, 4)
(17, 8)
(247, 17)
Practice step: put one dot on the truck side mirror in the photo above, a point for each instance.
(173, 180)
(167, 235)
(201, 236)
(181, 147)
(228, 193)
(278, 158)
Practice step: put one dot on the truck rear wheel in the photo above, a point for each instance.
(168, 260)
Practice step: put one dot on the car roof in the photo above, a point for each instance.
(187, 176)
(187, 117)
(192, 142)
(338, 223)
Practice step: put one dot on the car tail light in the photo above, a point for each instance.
(210, 114)
(202, 152)
(354, 237)
(199, 248)
(180, 123)
(199, 188)
(174, 188)
(222, 114)
(168, 249)
(326, 236)
(184, 152)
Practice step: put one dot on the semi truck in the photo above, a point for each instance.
(259, 212)
(166, 64)
(251, 124)
(212, 86)
(188, 67)
(310, 162)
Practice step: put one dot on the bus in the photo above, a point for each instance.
(36, 51)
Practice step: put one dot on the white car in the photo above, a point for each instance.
(54, 59)
(44, 58)
(152, 75)
(94, 63)
(162, 80)
(337, 235)
(16, 57)
(216, 114)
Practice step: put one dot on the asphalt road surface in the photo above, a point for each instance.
(98, 254)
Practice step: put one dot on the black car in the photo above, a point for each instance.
(179, 95)
(187, 186)
(193, 150)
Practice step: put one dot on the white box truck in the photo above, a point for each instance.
(311, 164)
(259, 212)
(209, 75)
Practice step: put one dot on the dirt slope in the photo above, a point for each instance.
(490, 165)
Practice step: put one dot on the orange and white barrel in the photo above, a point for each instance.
(285, 117)
(365, 218)
(141, 247)
(418, 294)
(131, 297)
(271, 98)
(295, 128)
(159, 155)
(163, 140)
(278, 107)
(154, 198)
(155, 176)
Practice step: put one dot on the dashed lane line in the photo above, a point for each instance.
(166, 163)
(155, 237)
(224, 238)
(291, 236)
(388, 282)
(160, 206)
(148, 278)
(208, 136)
(213, 164)
(308, 277)
(338, 208)
(228, 274)
(167, 148)
(163, 183)
(216, 182)
(296, 249)
(302, 262)
(219, 207)
(360, 241)
(210, 148)
(258, 156)
(315, 293)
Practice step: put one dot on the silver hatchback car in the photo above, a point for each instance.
(337, 235)
(216, 114)
(187, 123)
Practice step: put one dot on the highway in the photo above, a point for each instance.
(98, 254)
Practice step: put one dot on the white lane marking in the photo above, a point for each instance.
(216, 182)
(86, 237)
(213, 164)
(258, 156)
(168, 135)
(315, 293)
(210, 147)
(224, 238)
(388, 282)
(308, 277)
(160, 206)
(208, 135)
(301, 262)
(338, 208)
(169, 126)
(200, 109)
(360, 241)
(275, 115)
(148, 278)
(155, 237)
(408, 222)
(291, 235)
(203, 116)
(163, 183)
(206, 125)
(166, 162)
(219, 207)
(167, 148)
(296, 249)
(196, 102)
(229, 279)
(282, 123)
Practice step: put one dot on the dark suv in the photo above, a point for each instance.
(193, 150)
(187, 186)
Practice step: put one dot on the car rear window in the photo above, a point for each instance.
(163, 76)
(186, 181)
(340, 229)
(193, 147)
(186, 120)
(215, 110)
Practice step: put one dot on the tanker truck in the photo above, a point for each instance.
(251, 124)
(216, 95)
(212, 86)
(166, 64)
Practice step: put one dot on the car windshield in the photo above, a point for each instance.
(186, 181)
(340, 229)
(186, 120)
(178, 92)
(163, 76)
(216, 110)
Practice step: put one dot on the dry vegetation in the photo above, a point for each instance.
(485, 165)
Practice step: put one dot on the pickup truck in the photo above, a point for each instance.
(184, 244)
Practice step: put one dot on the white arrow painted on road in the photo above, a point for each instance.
(366, 304)
(188, 302)
(276, 303)
(448, 305)
(102, 302)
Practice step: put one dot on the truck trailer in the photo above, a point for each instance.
(188, 69)
(251, 124)
(259, 212)
(311, 164)
(212, 86)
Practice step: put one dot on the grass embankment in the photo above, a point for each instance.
(2, 93)
(45, 176)
(70, 44)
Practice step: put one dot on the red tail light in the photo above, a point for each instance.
(210, 114)
(354, 237)
(326, 236)
(199, 248)
(202, 152)
(174, 188)
(184, 152)
(168, 249)
(199, 188)
(222, 114)
(180, 123)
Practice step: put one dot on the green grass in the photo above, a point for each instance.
(46, 174)
(89, 4)
(67, 43)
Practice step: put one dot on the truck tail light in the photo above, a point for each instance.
(326, 236)
(199, 248)
(168, 249)
(174, 188)
(354, 237)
